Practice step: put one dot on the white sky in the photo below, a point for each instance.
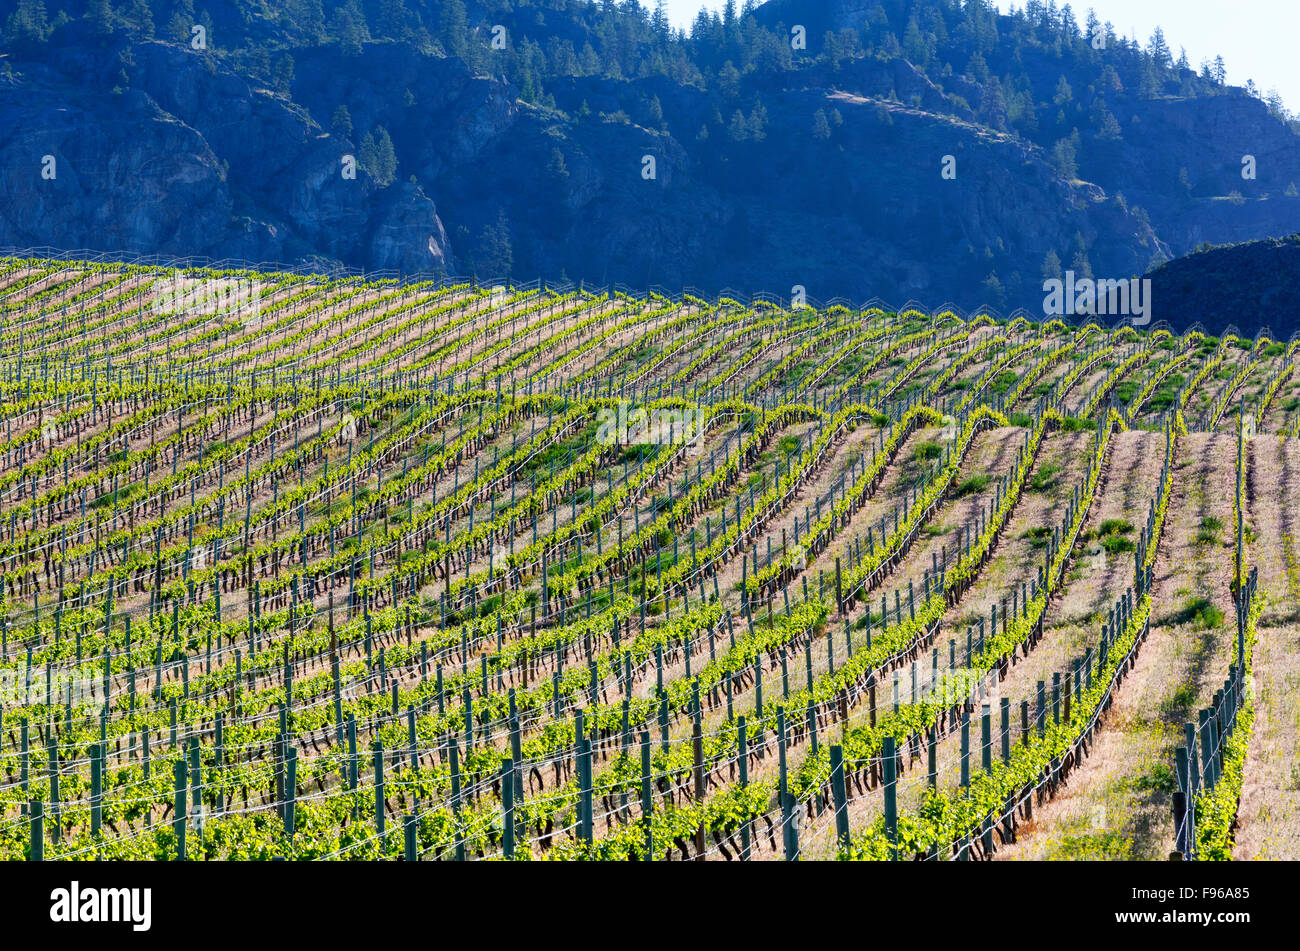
(1258, 39)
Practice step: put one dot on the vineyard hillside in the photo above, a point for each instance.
(350, 567)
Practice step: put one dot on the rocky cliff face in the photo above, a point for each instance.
(89, 172)
(1213, 137)
(403, 211)
(162, 149)
(190, 159)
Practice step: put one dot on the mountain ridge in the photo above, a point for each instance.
(819, 169)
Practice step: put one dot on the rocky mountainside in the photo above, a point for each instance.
(190, 158)
(647, 162)
(1255, 284)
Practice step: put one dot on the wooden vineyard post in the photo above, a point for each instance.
(378, 755)
(96, 787)
(54, 788)
(196, 787)
(965, 749)
(1182, 815)
(178, 812)
(36, 812)
(412, 749)
(840, 797)
(1005, 707)
(453, 764)
(1181, 827)
(354, 768)
(891, 794)
(409, 828)
(647, 797)
(507, 809)
(588, 818)
(1206, 743)
(787, 813)
(986, 739)
(931, 757)
(23, 731)
(697, 753)
(582, 755)
(291, 791)
(1193, 769)
(742, 755)
(338, 697)
(219, 756)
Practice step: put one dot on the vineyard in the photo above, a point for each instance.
(342, 568)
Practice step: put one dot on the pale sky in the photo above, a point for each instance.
(1258, 39)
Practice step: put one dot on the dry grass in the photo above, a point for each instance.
(1118, 804)
(1269, 814)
